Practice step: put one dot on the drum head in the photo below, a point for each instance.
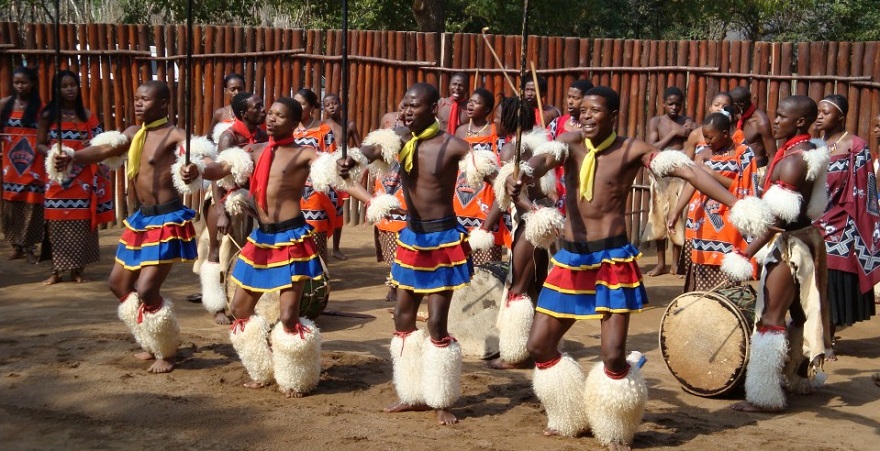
(316, 295)
(704, 338)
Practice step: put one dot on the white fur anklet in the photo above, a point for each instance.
(441, 372)
(159, 330)
(406, 361)
(560, 389)
(764, 370)
(213, 293)
(513, 331)
(297, 357)
(128, 313)
(250, 337)
(615, 406)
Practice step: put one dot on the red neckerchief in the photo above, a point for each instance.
(538, 117)
(454, 117)
(260, 179)
(780, 154)
(240, 129)
(745, 116)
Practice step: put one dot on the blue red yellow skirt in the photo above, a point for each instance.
(591, 279)
(274, 259)
(157, 235)
(432, 257)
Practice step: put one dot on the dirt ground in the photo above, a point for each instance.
(68, 380)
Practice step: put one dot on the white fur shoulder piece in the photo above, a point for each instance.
(241, 165)
(113, 139)
(817, 162)
(736, 267)
(380, 207)
(479, 164)
(51, 173)
(784, 203)
(667, 161)
(323, 173)
(200, 147)
(218, 131)
(388, 141)
(751, 216)
(534, 140)
(557, 149)
(543, 226)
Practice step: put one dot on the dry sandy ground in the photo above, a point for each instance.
(68, 381)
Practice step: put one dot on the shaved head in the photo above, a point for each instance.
(426, 90)
(801, 106)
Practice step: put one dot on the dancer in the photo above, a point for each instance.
(158, 234)
(595, 274)
(74, 208)
(249, 112)
(851, 223)
(451, 111)
(24, 176)
(755, 125)
(549, 112)
(794, 275)
(667, 132)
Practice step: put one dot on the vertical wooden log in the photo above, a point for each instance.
(818, 52)
(853, 121)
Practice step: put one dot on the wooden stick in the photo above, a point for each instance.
(344, 94)
(517, 155)
(188, 81)
(498, 60)
(538, 95)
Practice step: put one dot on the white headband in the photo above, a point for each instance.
(832, 104)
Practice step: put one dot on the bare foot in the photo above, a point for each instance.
(830, 356)
(337, 254)
(550, 432)
(498, 364)
(253, 384)
(445, 417)
(673, 270)
(749, 407)
(392, 295)
(162, 366)
(658, 270)
(221, 318)
(617, 446)
(293, 394)
(144, 355)
(31, 258)
(403, 407)
(53, 279)
(77, 276)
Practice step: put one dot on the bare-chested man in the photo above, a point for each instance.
(432, 259)
(249, 112)
(595, 274)
(280, 254)
(667, 132)
(548, 112)
(794, 277)
(452, 110)
(333, 112)
(755, 125)
(158, 234)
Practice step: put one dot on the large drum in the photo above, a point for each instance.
(704, 337)
(314, 298)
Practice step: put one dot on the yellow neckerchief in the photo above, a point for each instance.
(588, 167)
(408, 152)
(137, 146)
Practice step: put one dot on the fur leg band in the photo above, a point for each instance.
(213, 293)
(513, 333)
(560, 389)
(250, 338)
(406, 360)
(296, 356)
(159, 330)
(128, 313)
(764, 370)
(441, 373)
(615, 406)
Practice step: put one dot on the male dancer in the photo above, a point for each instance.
(432, 259)
(668, 131)
(794, 276)
(595, 275)
(549, 112)
(755, 126)
(249, 112)
(158, 234)
(452, 110)
(280, 255)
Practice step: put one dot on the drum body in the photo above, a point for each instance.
(704, 338)
(314, 299)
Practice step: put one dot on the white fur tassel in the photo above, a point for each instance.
(751, 216)
(560, 389)
(543, 226)
(213, 292)
(480, 239)
(237, 202)
(218, 131)
(548, 182)
(380, 207)
(181, 186)
(323, 173)
(513, 331)
(479, 164)
(241, 166)
(667, 161)
(251, 344)
(817, 163)
(557, 149)
(113, 139)
(785, 204)
(441, 374)
(128, 311)
(51, 173)
(160, 332)
(406, 360)
(389, 143)
(297, 360)
(736, 267)
(499, 185)
(615, 407)
(764, 370)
